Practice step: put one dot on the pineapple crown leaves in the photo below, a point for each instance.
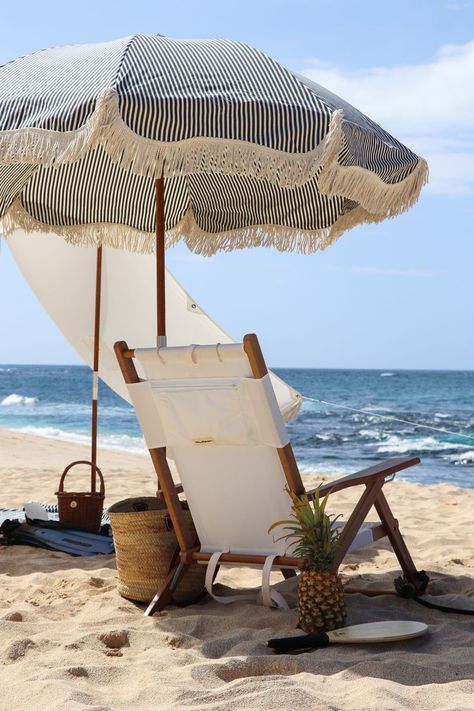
(311, 529)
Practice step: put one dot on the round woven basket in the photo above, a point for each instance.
(145, 543)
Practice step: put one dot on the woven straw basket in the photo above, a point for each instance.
(145, 544)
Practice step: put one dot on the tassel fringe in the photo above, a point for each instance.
(282, 238)
(376, 199)
(92, 235)
(153, 159)
(369, 191)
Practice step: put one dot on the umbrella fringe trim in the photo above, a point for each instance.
(281, 237)
(369, 191)
(147, 157)
(48, 147)
(151, 158)
(216, 156)
(90, 235)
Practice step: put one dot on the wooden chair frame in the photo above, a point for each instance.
(372, 478)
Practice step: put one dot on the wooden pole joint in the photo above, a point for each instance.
(187, 555)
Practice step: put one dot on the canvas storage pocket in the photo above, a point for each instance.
(208, 414)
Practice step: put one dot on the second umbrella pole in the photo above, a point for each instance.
(160, 313)
(160, 263)
(160, 283)
(95, 366)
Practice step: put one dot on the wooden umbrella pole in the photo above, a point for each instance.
(95, 368)
(160, 287)
(160, 264)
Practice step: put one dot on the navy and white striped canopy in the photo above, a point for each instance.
(252, 153)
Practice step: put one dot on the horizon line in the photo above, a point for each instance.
(271, 367)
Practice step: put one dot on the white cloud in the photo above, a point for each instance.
(430, 107)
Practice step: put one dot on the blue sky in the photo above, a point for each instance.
(395, 295)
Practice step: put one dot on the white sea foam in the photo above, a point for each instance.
(399, 445)
(120, 442)
(7, 370)
(442, 415)
(370, 434)
(386, 375)
(15, 399)
(329, 469)
(461, 457)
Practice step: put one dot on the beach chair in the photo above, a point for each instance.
(213, 410)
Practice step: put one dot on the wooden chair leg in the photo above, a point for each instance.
(356, 519)
(418, 579)
(164, 595)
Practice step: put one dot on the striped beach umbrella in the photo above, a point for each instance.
(252, 153)
(206, 141)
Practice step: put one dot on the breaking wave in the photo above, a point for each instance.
(370, 434)
(461, 457)
(399, 445)
(15, 399)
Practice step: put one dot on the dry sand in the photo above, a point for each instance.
(69, 641)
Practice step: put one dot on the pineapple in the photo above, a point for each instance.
(320, 592)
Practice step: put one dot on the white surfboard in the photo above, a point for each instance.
(63, 279)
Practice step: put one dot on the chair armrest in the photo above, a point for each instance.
(381, 470)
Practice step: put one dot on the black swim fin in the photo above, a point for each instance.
(65, 540)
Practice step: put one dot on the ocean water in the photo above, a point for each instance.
(54, 401)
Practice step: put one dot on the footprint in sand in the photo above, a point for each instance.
(18, 649)
(78, 671)
(101, 584)
(114, 641)
(247, 669)
(13, 617)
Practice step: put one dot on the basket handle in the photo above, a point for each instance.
(90, 464)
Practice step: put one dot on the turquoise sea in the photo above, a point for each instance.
(54, 401)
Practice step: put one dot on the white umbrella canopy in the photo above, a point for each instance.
(62, 278)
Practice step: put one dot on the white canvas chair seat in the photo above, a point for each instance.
(214, 410)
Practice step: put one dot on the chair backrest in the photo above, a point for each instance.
(223, 428)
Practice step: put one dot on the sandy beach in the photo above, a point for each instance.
(69, 641)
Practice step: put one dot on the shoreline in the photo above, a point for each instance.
(39, 462)
(75, 438)
(79, 450)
